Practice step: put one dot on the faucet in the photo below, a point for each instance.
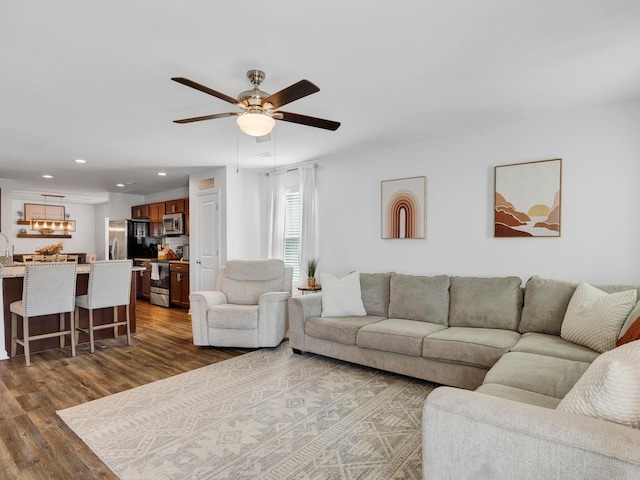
(6, 252)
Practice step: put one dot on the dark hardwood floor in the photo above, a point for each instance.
(35, 443)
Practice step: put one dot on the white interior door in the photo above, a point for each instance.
(207, 259)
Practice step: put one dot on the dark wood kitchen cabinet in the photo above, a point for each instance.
(156, 211)
(143, 279)
(175, 206)
(180, 284)
(140, 212)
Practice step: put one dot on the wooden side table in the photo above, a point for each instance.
(306, 289)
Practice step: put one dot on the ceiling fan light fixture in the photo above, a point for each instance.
(256, 124)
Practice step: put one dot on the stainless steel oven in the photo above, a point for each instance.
(160, 282)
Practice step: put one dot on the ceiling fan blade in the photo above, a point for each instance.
(309, 121)
(291, 93)
(202, 88)
(207, 117)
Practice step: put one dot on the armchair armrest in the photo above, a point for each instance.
(301, 308)
(200, 303)
(273, 318)
(469, 435)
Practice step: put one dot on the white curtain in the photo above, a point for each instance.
(308, 217)
(277, 204)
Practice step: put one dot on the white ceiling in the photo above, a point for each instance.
(91, 79)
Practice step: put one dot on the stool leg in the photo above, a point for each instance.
(92, 348)
(14, 334)
(25, 337)
(77, 322)
(62, 341)
(115, 320)
(128, 325)
(72, 336)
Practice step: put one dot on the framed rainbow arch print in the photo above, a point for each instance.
(404, 208)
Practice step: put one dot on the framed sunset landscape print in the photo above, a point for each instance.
(528, 199)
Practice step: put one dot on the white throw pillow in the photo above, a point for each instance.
(341, 297)
(594, 318)
(609, 389)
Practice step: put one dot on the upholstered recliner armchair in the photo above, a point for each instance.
(249, 307)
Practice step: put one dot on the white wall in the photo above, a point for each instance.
(600, 240)
(6, 194)
(243, 214)
(164, 196)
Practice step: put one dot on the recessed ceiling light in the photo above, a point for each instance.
(80, 160)
(162, 174)
(119, 184)
(47, 176)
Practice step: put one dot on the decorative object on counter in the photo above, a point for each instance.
(165, 253)
(48, 219)
(53, 249)
(312, 266)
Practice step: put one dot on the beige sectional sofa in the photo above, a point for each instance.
(498, 341)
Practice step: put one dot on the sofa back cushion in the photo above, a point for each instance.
(546, 302)
(375, 293)
(486, 302)
(421, 298)
(244, 281)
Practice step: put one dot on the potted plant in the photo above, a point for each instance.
(312, 265)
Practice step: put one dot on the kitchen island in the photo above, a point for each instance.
(12, 278)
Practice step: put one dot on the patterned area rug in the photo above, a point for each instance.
(269, 414)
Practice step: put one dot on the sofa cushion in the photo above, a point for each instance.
(609, 389)
(486, 302)
(338, 329)
(236, 317)
(375, 293)
(594, 318)
(341, 297)
(545, 303)
(549, 376)
(421, 298)
(518, 395)
(244, 281)
(470, 346)
(553, 346)
(396, 335)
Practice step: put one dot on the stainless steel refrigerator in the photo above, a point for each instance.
(127, 239)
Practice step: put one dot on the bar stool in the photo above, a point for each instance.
(109, 286)
(48, 288)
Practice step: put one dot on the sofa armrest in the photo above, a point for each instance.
(200, 302)
(301, 308)
(272, 318)
(470, 435)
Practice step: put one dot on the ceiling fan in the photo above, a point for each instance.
(260, 109)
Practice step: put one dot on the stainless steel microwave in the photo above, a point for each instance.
(173, 223)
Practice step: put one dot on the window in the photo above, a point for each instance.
(292, 233)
